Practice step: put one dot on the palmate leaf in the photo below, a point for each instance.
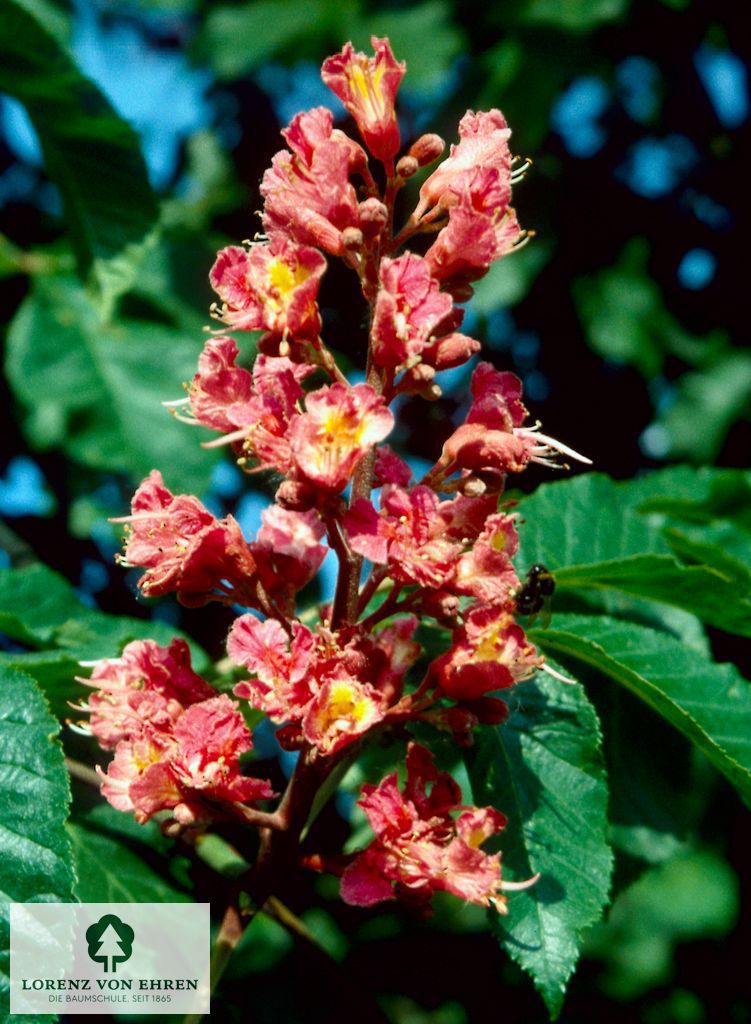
(543, 768)
(91, 154)
(590, 532)
(709, 703)
(35, 853)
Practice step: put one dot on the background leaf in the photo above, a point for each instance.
(41, 610)
(96, 389)
(35, 854)
(91, 154)
(543, 768)
(108, 871)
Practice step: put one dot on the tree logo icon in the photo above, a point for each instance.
(110, 942)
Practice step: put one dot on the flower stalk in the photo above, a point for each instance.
(440, 550)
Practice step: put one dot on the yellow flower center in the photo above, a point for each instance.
(282, 281)
(368, 84)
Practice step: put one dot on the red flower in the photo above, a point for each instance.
(420, 538)
(482, 227)
(221, 393)
(489, 652)
(271, 287)
(367, 87)
(210, 738)
(287, 549)
(419, 846)
(486, 570)
(184, 548)
(181, 769)
(408, 311)
(284, 685)
(343, 709)
(339, 426)
(493, 437)
(389, 468)
(408, 535)
(253, 410)
(147, 687)
(483, 142)
(308, 195)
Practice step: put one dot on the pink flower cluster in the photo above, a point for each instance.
(421, 847)
(438, 550)
(177, 743)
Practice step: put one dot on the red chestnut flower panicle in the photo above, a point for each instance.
(437, 551)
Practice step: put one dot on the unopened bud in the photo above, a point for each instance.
(290, 737)
(462, 292)
(407, 166)
(473, 487)
(373, 216)
(451, 351)
(487, 710)
(442, 606)
(352, 238)
(295, 496)
(427, 149)
(324, 233)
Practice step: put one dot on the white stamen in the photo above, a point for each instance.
(519, 886)
(558, 675)
(175, 402)
(236, 435)
(551, 443)
(79, 729)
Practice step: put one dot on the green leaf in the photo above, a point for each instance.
(715, 396)
(709, 703)
(238, 39)
(712, 595)
(91, 154)
(508, 281)
(626, 321)
(40, 609)
(574, 15)
(693, 896)
(108, 872)
(95, 389)
(407, 28)
(543, 768)
(589, 532)
(35, 865)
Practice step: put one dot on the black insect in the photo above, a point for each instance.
(535, 593)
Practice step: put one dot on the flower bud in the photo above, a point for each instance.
(462, 292)
(407, 166)
(373, 215)
(352, 239)
(444, 607)
(427, 149)
(321, 231)
(454, 350)
(473, 487)
(290, 737)
(295, 496)
(487, 710)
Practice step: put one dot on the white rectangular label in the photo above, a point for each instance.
(109, 958)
